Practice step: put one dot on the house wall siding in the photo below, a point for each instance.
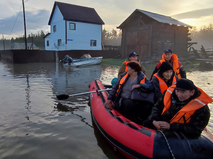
(58, 21)
(79, 39)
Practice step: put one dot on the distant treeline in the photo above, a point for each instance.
(204, 36)
(37, 39)
(113, 34)
(204, 32)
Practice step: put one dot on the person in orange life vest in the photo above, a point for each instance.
(173, 59)
(182, 109)
(132, 57)
(163, 79)
(121, 93)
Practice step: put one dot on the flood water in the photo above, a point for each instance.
(32, 128)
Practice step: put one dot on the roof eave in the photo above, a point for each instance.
(101, 23)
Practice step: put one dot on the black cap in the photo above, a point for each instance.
(165, 66)
(168, 51)
(132, 54)
(185, 84)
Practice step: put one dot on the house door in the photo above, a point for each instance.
(139, 42)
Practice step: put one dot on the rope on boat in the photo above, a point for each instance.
(167, 142)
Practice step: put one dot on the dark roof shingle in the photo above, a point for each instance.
(157, 17)
(77, 13)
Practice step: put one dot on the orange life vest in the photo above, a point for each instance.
(121, 82)
(185, 113)
(162, 84)
(175, 64)
(126, 62)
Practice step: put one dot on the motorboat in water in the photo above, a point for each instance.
(83, 61)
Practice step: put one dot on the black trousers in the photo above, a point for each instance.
(136, 111)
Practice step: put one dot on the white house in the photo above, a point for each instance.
(74, 28)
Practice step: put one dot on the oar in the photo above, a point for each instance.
(65, 96)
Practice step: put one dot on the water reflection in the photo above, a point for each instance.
(65, 108)
(104, 144)
(29, 106)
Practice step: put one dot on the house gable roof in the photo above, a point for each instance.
(46, 35)
(157, 17)
(77, 13)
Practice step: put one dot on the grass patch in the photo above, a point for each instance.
(114, 62)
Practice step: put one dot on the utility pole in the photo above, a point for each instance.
(25, 36)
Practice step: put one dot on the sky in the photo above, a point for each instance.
(113, 12)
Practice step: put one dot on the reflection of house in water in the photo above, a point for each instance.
(63, 79)
(75, 80)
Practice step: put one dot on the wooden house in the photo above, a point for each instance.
(74, 28)
(150, 34)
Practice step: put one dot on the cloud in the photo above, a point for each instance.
(35, 20)
(195, 14)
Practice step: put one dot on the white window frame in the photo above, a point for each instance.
(72, 26)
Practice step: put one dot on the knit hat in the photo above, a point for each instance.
(185, 84)
(165, 66)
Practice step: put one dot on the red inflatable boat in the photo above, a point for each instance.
(136, 141)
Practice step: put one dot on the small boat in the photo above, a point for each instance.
(136, 141)
(84, 61)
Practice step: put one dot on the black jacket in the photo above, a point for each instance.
(112, 96)
(182, 71)
(156, 85)
(198, 121)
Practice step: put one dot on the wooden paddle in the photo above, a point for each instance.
(65, 96)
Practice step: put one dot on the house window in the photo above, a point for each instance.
(48, 43)
(59, 42)
(54, 28)
(92, 42)
(72, 26)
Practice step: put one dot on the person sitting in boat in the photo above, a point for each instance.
(132, 57)
(67, 59)
(173, 59)
(121, 93)
(163, 79)
(182, 109)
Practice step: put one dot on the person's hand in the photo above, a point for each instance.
(162, 125)
(138, 60)
(106, 104)
(135, 86)
(156, 124)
